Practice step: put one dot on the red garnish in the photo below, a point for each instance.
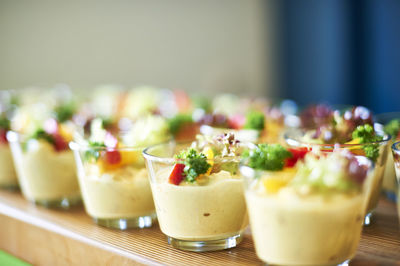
(176, 175)
(59, 143)
(113, 156)
(297, 154)
(237, 121)
(3, 134)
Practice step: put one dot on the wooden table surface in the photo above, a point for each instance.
(52, 237)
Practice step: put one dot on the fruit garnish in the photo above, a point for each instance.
(195, 164)
(112, 157)
(210, 156)
(333, 173)
(274, 181)
(3, 134)
(110, 141)
(297, 154)
(177, 174)
(255, 120)
(269, 157)
(236, 121)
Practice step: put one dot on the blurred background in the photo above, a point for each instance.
(332, 51)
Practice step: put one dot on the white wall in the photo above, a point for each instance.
(213, 45)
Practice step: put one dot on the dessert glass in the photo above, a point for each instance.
(292, 229)
(8, 177)
(115, 196)
(389, 185)
(197, 218)
(396, 159)
(294, 137)
(46, 177)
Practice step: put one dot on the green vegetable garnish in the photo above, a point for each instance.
(4, 123)
(366, 134)
(177, 121)
(39, 134)
(93, 154)
(64, 112)
(255, 120)
(393, 128)
(270, 157)
(195, 164)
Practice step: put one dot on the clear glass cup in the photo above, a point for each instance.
(296, 230)
(389, 185)
(196, 218)
(115, 195)
(396, 160)
(46, 177)
(8, 176)
(294, 137)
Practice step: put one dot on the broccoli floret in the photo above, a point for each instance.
(177, 121)
(393, 128)
(255, 120)
(4, 123)
(270, 157)
(64, 112)
(366, 134)
(195, 164)
(93, 153)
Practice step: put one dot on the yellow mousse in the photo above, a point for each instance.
(211, 209)
(293, 229)
(119, 193)
(8, 177)
(45, 174)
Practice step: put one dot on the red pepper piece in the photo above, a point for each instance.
(237, 121)
(297, 154)
(176, 175)
(113, 157)
(3, 134)
(59, 143)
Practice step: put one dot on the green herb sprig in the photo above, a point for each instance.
(255, 120)
(366, 134)
(393, 128)
(269, 157)
(195, 164)
(177, 121)
(93, 153)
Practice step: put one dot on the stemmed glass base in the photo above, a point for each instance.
(209, 245)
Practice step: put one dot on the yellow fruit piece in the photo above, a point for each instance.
(356, 149)
(65, 132)
(277, 180)
(274, 184)
(208, 152)
(129, 157)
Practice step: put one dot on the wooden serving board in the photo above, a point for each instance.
(51, 237)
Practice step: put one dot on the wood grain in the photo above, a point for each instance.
(50, 237)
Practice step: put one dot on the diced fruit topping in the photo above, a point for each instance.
(274, 184)
(177, 174)
(3, 133)
(269, 157)
(112, 157)
(297, 154)
(237, 121)
(339, 172)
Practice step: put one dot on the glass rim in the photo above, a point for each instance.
(396, 147)
(292, 141)
(75, 146)
(148, 156)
